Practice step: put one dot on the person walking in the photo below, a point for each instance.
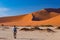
(15, 31)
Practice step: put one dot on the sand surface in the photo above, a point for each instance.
(7, 34)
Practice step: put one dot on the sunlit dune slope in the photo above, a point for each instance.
(11, 18)
(16, 20)
(26, 20)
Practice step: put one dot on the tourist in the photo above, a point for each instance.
(15, 31)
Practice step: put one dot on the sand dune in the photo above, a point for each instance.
(51, 18)
(43, 15)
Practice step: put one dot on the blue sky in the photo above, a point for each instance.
(18, 7)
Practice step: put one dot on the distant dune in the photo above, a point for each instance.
(42, 17)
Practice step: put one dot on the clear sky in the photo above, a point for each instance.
(18, 7)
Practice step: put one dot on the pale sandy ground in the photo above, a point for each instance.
(7, 34)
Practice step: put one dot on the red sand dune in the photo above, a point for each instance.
(46, 18)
